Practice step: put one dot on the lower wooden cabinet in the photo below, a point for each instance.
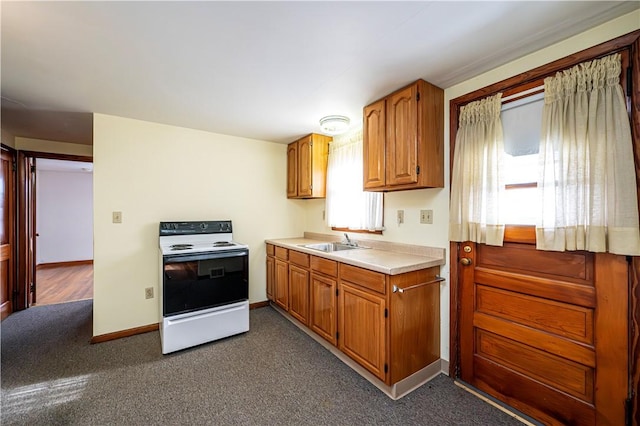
(299, 293)
(282, 284)
(362, 328)
(271, 277)
(392, 334)
(323, 318)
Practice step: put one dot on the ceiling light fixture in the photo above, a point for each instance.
(334, 124)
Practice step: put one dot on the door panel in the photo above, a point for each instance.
(323, 307)
(299, 293)
(374, 146)
(541, 330)
(7, 234)
(362, 328)
(402, 137)
(305, 167)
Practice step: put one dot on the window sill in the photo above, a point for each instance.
(357, 231)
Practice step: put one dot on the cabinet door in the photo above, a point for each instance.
(323, 307)
(282, 284)
(402, 137)
(271, 277)
(362, 328)
(299, 293)
(374, 145)
(292, 170)
(305, 166)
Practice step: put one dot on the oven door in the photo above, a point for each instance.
(192, 282)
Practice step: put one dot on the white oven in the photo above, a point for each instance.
(204, 288)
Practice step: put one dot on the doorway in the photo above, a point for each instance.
(64, 230)
(7, 232)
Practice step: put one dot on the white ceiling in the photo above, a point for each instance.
(264, 70)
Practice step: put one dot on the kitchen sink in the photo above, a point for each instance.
(330, 247)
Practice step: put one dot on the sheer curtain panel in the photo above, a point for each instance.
(477, 186)
(348, 206)
(587, 184)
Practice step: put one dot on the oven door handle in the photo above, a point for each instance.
(204, 256)
(198, 316)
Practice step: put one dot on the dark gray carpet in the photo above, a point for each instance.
(272, 375)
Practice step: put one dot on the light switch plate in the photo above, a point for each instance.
(426, 216)
(400, 216)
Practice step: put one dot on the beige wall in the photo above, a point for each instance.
(7, 138)
(151, 173)
(412, 202)
(52, 147)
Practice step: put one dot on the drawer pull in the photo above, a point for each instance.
(397, 289)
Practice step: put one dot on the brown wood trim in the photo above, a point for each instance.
(520, 234)
(634, 273)
(54, 156)
(532, 77)
(70, 263)
(357, 231)
(257, 305)
(124, 333)
(525, 81)
(454, 308)
(5, 311)
(147, 328)
(612, 350)
(521, 185)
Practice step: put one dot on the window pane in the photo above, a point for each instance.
(520, 206)
(521, 123)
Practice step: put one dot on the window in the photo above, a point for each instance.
(521, 132)
(348, 206)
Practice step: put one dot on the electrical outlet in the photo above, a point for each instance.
(323, 215)
(400, 216)
(117, 217)
(148, 293)
(426, 216)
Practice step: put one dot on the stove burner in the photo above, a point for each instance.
(181, 246)
(223, 244)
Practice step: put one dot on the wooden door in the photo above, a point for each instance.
(374, 135)
(305, 167)
(7, 233)
(299, 293)
(282, 284)
(323, 307)
(546, 332)
(402, 137)
(26, 204)
(292, 170)
(271, 277)
(362, 328)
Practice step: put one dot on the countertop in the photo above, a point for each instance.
(394, 259)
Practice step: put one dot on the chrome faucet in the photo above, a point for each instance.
(349, 242)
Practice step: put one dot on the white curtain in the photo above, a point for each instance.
(477, 186)
(348, 206)
(587, 183)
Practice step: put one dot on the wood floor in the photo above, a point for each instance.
(59, 283)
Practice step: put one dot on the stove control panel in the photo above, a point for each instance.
(191, 228)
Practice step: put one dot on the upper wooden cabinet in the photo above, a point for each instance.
(404, 139)
(307, 166)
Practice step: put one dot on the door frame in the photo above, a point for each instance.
(11, 188)
(518, 83)
(26, 203)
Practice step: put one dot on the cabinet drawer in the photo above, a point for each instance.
(271, 251)
(300, 259)
(282, 253)
(368, 279)
(324, 266)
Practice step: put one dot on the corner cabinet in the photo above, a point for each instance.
(404, 139)
(307, 166)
